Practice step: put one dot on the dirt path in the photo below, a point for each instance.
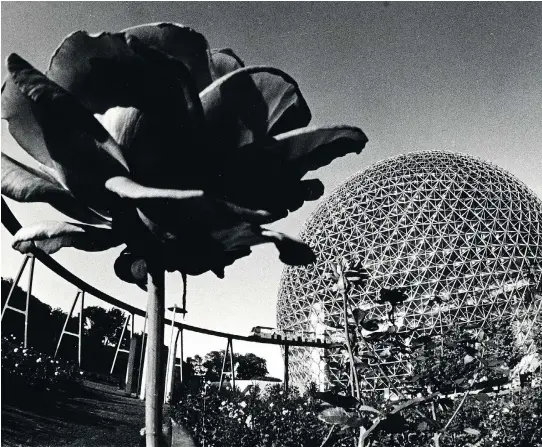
(101, 416)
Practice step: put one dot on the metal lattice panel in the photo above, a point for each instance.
(434, 223)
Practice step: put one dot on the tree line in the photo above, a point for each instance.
(101, 332)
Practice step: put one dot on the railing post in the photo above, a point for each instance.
(182, 352)
(286, 372)
(232, 366)
(81, 324)
(28, 295)
(79, 335)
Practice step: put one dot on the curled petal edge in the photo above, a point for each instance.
(51, 236)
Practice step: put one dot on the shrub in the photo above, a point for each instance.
(268, 419)
(26, 371)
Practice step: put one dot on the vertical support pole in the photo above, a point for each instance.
(170, 367)
(224, 364)
(64, 331)
(130, 367)
(143, 374)
(182, 352)
(171, 373)
(128, 372)
(142, 357)
(154, 385)
(81, 324)
(286, 371)
(15, 282)
(231, 366)
(28, 294)
(119, 343)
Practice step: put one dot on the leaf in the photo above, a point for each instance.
(411, 402)
(368, 409)
(362, 366)
(392, 296)
(337, 399)
(422, 341)
(468, 359)
(370, 325)
(359, 315)
(446, 402)
(423, 426)
(482, 397)
(494, 362)
(180, 437)
(393, 423)
(339, 416)
(472, 431)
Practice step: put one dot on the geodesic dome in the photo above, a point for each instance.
(433, 223)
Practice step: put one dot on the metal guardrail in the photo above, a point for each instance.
(13, 225)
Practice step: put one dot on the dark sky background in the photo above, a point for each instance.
(463, 77)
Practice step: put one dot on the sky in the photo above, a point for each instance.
(463, 77)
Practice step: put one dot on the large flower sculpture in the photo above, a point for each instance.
(148, 138)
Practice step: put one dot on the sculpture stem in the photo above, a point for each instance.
(154, 384)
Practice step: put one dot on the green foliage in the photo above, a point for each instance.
(265, 419)
(103, 326)
(101, 332)
(249, 365)
(26, 372)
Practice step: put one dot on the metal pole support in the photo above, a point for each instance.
(286, 372)
(79, 335)
(229, 349)
(129, 320)
(28, 294)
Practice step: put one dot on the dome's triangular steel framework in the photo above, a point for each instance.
(435, 223)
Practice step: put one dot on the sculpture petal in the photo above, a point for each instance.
(221, 248)
(252, 103)
(162, 133)
(88, 65)
(267, 174)
(307, 149)
(25, 184)
(85, 154)
(77, 66)
(52, 236)
(172, 206)
(292, 251)
(236, 242)
(180, 42)
(19, 111)
(224, 61)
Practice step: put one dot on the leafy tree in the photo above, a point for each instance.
(251, 366)
(44, 323)
(248, 365)
(103, 326)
